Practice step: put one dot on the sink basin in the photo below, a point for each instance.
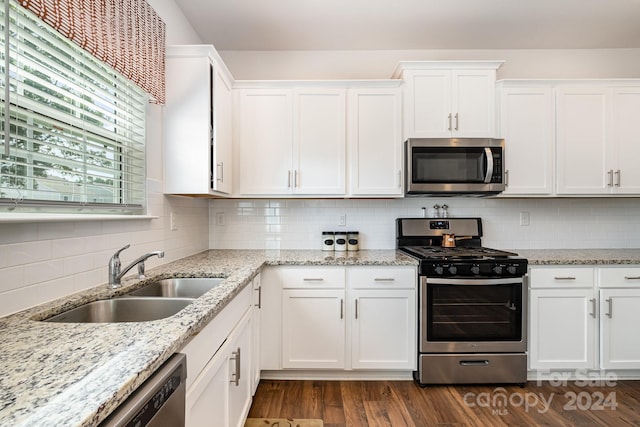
(123, 310)
(183, 287)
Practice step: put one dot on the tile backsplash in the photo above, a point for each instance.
(298, 223)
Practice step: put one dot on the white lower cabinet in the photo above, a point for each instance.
(584, 318)
(620, 316)
(313, 333)
(219, 367)
(345, 318)
(562, 329)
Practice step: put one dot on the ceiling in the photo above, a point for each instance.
(414, 24)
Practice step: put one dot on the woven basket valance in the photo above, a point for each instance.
(126, 34)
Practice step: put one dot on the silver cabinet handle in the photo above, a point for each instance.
(449, 117)
(295, 178)
(236, 374)
(617, 174)
(341, 308)
(564, 278)
(631, 277)
(313, 279)
(259, 304)
(593, 308)
(610, 312)
(356, 308)
(221, 174)
(457, 122)
(384, 279)
(289, 179)
(610, 173)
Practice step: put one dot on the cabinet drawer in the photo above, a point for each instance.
(553, 277)
(313, 277)
(619, 276)
(382, 277)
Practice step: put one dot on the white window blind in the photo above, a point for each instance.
(72, 128)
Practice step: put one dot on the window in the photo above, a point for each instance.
(71, 128)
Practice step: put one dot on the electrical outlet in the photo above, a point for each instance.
(173, 221)
(524, 218)
(342, 220)
(220, 218)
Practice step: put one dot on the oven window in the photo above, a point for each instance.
(474, 312)
(448, 165)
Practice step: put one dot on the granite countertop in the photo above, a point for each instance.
(580, 256)
(75, 374)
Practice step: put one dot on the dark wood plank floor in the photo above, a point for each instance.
(404, 403)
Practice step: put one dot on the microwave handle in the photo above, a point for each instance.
(487, 177)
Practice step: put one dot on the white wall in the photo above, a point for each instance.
(44, 261)
(554, 223)
(521, 64)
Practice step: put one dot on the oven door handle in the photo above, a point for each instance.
(489, 154)
(472, 281)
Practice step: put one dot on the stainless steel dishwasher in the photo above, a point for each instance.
(159, 402)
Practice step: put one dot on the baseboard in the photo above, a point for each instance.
(337, 375)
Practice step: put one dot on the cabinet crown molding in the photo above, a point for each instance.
(445, 65)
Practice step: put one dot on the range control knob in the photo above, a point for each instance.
(497, 269)
(439, 270)
(475, 269)
(512, 269)
(453, 269)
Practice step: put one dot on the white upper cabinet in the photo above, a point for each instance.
(581, 153)
(197, 122)
(598, 139)
(625, 139)
(292, 141)
(319, 148)
(527, 126)
(449, 99)
(375, 142)
(265, 141)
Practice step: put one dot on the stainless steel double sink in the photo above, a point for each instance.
(154, 301)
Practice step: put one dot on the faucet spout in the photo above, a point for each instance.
(116, 272)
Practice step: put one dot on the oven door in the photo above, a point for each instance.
(473, 315)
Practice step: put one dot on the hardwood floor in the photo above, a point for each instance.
(404, 403)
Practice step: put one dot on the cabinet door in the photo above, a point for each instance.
(527, 120)
(187, 125)
(428, 104)
(581, 164)
(239, 380)
(319, 141)
(620, 317)
(562, 329)
(313, 328)
(375, 142)
(222, 131)
(625, 139)
(207, 401)
(383, 333)
(473, 103)
(266, 141)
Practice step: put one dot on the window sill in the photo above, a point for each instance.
(45, 217)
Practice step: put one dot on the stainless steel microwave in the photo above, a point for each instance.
(454, 166)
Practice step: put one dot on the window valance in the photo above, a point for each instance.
(126, 34)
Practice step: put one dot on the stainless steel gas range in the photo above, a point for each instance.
(472, 307)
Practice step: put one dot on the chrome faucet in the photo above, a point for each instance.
(116, 272)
